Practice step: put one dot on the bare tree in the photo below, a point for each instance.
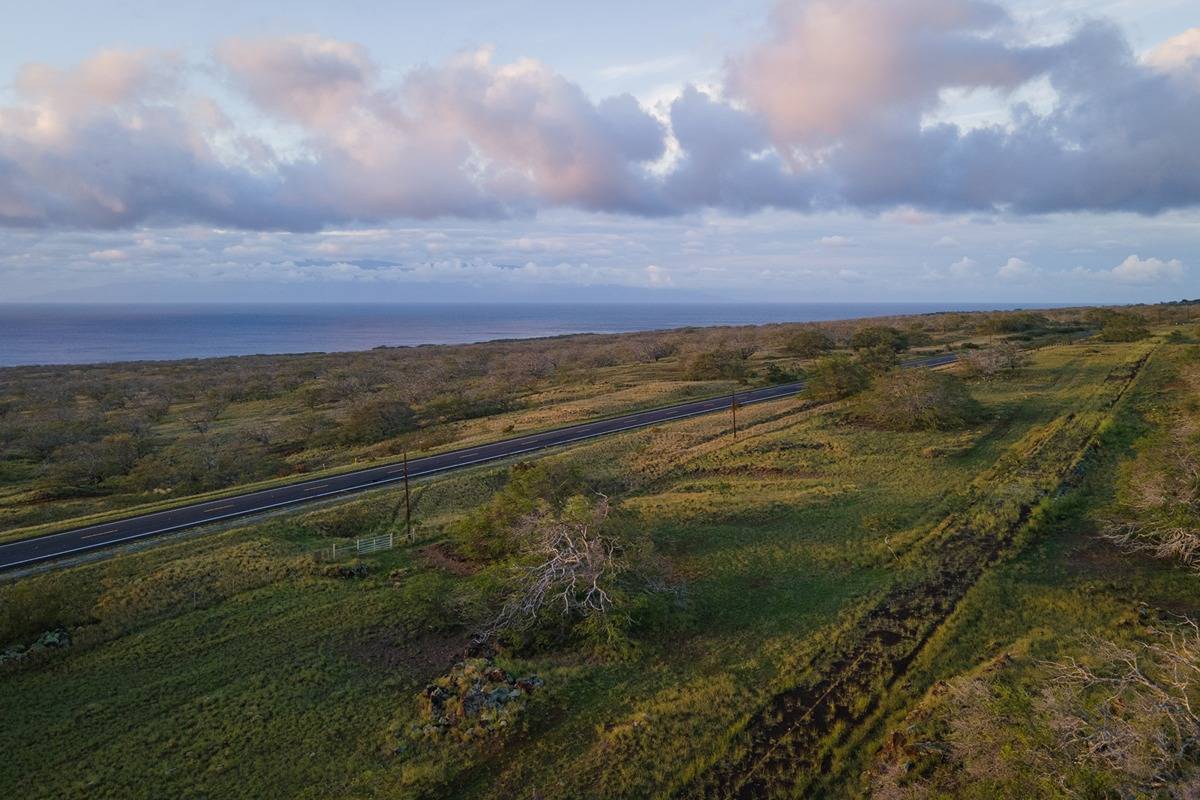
(573, 563)
(991, 361)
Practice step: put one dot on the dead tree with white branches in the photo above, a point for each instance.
(570, 564)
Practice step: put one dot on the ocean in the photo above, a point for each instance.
(88, 334)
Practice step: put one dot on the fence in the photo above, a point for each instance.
(361, 546)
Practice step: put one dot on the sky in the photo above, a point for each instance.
(793, 151)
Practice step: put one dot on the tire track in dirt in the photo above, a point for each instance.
(790, 740)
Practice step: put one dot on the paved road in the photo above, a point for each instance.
(56, 545)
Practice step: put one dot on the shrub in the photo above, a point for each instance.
(490, 531)
(808, 343)
(878, 359)
(1157, 511)
(199, 462)
(451, 407)
(573, 580)
(834, 378)
(30, 607)
(724, 364)
(919, 399)
(879, 336)
(1109, 720)
(1123, 328)
(1013, 322)
(377, 419)
(773, 373)
(991, 361)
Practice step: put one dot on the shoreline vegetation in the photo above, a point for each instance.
(979, 582)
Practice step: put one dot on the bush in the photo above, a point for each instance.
(834, 378)
(721, 364)
(29, 608)
(808, 343)
(773, 373)
(1014, 322)
(489, 533)
(578, 578)
(878, 359)
(879, 336)
(1112, 719)
(1119, 327)
(1005, 357)
(377, 419)
(919, 399)
(200, 462)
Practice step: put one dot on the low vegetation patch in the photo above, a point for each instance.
(835, 378)
(1159, 512)
(1108, 719)
(914, 399)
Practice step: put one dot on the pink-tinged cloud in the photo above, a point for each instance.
(308, 79)
(832, 69)
(828, 110)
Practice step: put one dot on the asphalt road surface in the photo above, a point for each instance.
(93, 537)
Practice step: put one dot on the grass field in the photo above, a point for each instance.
(810, 558)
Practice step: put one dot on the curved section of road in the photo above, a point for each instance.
(94, 537)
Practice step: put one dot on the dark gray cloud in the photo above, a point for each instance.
(836, 107)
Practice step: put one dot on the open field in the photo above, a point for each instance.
(802, 592)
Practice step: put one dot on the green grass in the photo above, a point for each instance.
(231, 666)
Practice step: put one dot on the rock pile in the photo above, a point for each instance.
(474, 699)
(50, 640)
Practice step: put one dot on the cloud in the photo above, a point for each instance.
(966, 267)
(639, 68)
(1178, 54)
(835, 106)
(1016, 270)
(108, 255)
(844, 88)
(657, 276)
(1148, 270)
(837, 240)
(308, 79)
(835, 69)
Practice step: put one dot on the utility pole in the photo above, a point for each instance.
(407, 502)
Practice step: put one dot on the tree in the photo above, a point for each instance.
(1013, 322)
(377, 419)
(879, 336)
(571, 566)
(918, 399)
(488, 532)
(723, 364)
(86, 465)
(833, 378)
(206, 461)
(808, 343)
(878, 359)
(991, 361)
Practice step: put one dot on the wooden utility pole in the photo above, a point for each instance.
(407, 502)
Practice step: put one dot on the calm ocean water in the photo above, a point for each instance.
(83, 334)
